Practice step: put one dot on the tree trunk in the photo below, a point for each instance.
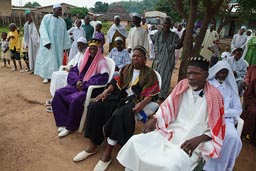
(211, 9)
(187, 45)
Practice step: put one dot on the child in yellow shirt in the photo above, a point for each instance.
(14, 45)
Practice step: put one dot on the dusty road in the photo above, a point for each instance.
(28, 136)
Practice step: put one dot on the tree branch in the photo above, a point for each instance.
(179, 7)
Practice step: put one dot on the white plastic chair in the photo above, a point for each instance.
(111, 65)
(240, 125)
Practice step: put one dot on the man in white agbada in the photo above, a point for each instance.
(116, 30)
(53, 40)
(151, 34)
(239, 68)
(221, 77)
(59, 78)
(239, 39)
(189, 124)
(210, 36)
(32, 40)
(75, 33)
(137, 35)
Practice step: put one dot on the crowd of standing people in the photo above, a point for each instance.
(197, 119)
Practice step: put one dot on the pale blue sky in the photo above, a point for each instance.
(80, 3)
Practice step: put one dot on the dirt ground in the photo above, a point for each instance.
(28, 135)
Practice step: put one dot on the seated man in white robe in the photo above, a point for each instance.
(59, 78)
(221, 77)
(189, 124)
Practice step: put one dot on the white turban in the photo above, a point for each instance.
(82, 40)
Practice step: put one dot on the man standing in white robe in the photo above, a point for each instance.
(116, 30)
(239, 39)
(210, 36)
(189, 124)
(137, 35)
(75, 33)
(54, 39)
(32, 40)
(221, 77)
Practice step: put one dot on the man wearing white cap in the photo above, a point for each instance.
(54, 39)
(116, 30)
(210, 36)
(249, 36)
(119, 54)
(239, 39)
(137, 35)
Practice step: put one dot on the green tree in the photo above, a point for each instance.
(161, 6)
(28, 5)
(83, 11)
(100, 7)
(31, 5)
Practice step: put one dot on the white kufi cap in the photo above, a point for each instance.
(118, 38)
(57, 6)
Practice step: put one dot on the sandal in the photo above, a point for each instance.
(48, 102)
(49, 110)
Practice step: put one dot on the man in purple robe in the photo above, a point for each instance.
(68, 101)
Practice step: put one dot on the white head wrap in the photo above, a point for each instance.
(119, 38)
(57, 6)
(230, 78)
(82, 40)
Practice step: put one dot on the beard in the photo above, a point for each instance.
(193, 87)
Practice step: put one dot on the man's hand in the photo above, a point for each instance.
(79, 85)
(190, 145)
(138, 107)
(150, 125)
(103, 96)
(48, 46)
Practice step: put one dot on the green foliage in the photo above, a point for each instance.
(247, 7)
(4, 29)
(105, 27)
(139, 6)
(83, 11)
(100, 7)
(165, 6)
(31, 5)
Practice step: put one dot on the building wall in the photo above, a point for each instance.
(6, 8)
